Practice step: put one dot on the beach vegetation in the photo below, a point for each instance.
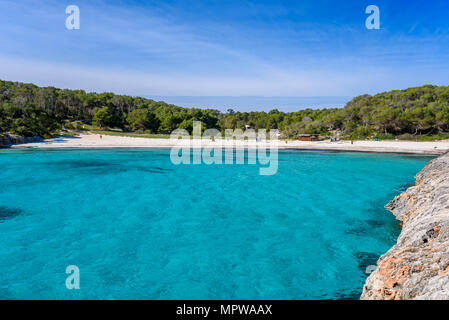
(102, 117)
(418, 113)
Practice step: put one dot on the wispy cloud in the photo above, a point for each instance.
(218, 48)
(308, 83)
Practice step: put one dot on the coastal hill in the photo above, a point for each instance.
(419, 113)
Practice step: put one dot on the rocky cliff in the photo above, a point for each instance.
(7, 140)
(417, 267)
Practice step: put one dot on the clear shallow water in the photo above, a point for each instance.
(139, 227)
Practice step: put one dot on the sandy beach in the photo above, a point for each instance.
(107, 141)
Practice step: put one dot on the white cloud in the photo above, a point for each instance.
(148, 53)
(305, 83)
(135, 83)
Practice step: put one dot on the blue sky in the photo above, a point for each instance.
(226, 48)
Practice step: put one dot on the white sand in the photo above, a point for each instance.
(94, 141)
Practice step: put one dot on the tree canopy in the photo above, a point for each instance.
(31, 110)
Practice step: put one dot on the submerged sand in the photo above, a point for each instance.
(89, 140)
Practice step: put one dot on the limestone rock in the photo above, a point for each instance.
(417, 267)
(8, 139)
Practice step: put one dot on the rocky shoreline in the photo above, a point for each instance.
(7, 140)
(417, 267)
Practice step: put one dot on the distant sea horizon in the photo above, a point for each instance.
(256, 103)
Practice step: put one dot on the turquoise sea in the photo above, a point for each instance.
(139, 227)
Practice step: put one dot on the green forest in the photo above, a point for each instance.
(415, 113)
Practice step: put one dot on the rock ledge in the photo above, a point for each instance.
(417, 267)
(7, 140)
